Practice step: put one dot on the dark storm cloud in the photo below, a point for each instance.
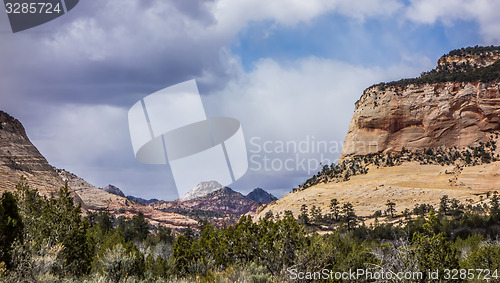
(109, 51)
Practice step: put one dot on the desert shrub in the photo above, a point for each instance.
(485, 257)
(119, 263)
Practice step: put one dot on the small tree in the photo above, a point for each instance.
(444, 205)
(11, 226)
(455, 207)
(304, 217)
(407, 214)
(335, 209)
(495, 206)
(316, 215)
(391, 207)
(349, 217)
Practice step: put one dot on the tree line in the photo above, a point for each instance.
(48, 239)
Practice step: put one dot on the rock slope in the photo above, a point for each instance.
(113, 190)
(19, 157)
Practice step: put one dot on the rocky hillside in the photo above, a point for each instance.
(95, 199)
(455, 105)
(141, 200)
(19, 157)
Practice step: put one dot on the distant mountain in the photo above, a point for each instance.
(141, 200)
(261, 196)
(224, 200)
(202, 189)
(113, 190)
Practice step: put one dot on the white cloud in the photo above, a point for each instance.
(311, 97)
(307, 98)
(119, 29)
(233, 15)
(484, 12)
(74, 133)
(128, 30)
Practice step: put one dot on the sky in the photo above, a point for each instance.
(289, 71)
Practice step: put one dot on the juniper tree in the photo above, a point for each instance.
(11, 227)
(335, 209)
(390, 207)
(349, 217)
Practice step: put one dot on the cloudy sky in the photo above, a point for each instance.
(289, 71)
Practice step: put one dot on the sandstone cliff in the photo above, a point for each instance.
(427, 112)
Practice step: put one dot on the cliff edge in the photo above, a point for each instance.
(455, 105)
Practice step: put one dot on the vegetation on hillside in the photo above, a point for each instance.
(457, 72)
(218, 219)
(47, 239)
(476, 50)
(471, 156)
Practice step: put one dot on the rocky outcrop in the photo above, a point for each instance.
(389, 117)
(114, 190)
(455, 105)
(461, 59)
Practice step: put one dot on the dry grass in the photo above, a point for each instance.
(406, 185)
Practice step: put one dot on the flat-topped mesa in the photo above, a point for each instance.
(433, 110)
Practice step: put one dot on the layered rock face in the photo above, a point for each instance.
(417, 116)
(19, 157)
